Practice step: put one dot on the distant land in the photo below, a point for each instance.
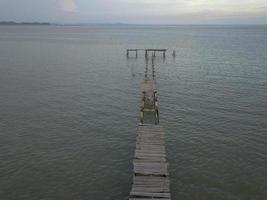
(25, 23)
(59, 24)
(13, 23)
(10, 23)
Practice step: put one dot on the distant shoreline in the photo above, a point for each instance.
(10, 23)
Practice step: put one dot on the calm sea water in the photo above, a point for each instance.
(69, 102)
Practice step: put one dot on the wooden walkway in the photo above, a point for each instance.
(149, 91)
(151, 176)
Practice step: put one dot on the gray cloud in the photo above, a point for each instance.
(135, 11)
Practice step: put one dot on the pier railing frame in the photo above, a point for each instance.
(147, 51)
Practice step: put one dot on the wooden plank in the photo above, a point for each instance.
(149, 140)
(148, 154)
(148, 194)
(157, 169)
(150, 164)
(154, 132)
(151, 151)
(150, 189)
(149, 198)
(149, 158)
(149, 170)
(152, 185)
(161, 136)
(150, 132)
(150, 137)
(148, 126)
(162, 184)
(144, 127)
(147, 136)
(151, 146)
(140, 142)
(154, 179)
(146, 132)
(153, 136)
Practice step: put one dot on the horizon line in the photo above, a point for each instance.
(122, 23)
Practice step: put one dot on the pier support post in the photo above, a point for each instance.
(173, 53)
(157, 117)
(146, 69)
(141, 117)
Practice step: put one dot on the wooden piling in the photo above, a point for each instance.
(173, 53)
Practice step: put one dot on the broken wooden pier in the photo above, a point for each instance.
(150, 166)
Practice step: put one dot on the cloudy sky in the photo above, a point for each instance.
(136, 11)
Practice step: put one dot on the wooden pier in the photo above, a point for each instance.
(147, 51)
(150, 167)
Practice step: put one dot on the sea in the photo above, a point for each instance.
(70, 102)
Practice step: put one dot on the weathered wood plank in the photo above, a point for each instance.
(149, 198)
(145, 146)
(148, 170)
(150, 137)
(151, 179)
(150, 142)
(149, 189)
(161, 136)
(152, 194)
(154, 159)
(150, 128)
(161, 183)
(151, 146)
(150, 154)
(150, 131)
(147, 141)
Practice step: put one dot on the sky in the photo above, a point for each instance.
(136, 11)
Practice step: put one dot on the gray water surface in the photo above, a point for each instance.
(69, 102)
